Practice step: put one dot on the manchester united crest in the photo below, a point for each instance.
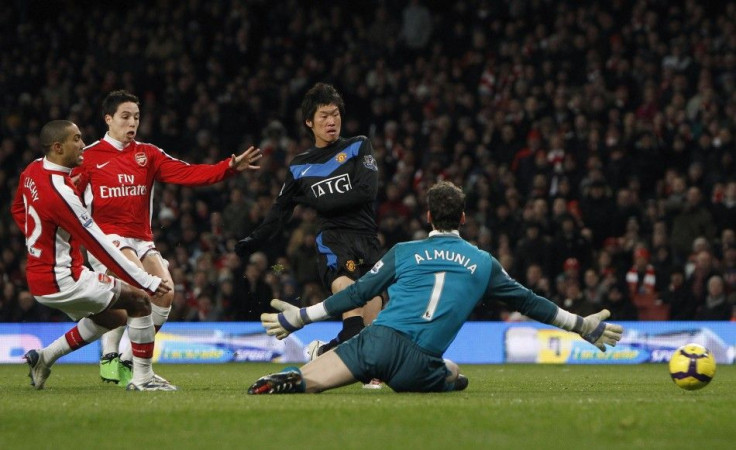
(341, 157)
(141, 159)
(350, 265)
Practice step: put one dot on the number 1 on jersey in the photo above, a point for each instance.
(434, 298)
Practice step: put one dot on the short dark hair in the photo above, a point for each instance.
(321, 94)
(116, 98)
(54, 131)
(446, 205)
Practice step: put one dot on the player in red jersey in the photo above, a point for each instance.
(117, 178)
(55, 223)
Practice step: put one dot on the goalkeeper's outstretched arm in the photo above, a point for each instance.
(591, 328)
(292, 318)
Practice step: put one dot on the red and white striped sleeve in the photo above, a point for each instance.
(74, 218)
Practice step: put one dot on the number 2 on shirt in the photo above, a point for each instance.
(36, 233)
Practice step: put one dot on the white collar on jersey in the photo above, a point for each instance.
(444, 233)
(114, 142)
(48, 165)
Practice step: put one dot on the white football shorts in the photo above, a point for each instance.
(90, 294)
(139, 246)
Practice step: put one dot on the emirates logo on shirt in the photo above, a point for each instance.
(141, 159)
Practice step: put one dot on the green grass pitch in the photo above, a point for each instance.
(505, 406)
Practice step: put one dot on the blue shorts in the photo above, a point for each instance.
(384, 353)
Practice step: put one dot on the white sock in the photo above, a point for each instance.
(127, 354)
(160, 315)
(83, 333)
(111, 340)
(142, 336)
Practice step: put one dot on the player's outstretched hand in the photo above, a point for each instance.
(284, 323)
(600, 333)
(246, 159)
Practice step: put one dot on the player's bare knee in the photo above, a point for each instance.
(140, 306)
(135, 302)
(165, 300)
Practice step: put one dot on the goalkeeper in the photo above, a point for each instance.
(433, 286)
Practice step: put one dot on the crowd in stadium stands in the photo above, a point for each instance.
(594, 140)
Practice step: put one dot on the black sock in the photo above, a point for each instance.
(350, 327)
(328, 346)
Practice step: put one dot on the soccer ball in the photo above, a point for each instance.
(692, 366)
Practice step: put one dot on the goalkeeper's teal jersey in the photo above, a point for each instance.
(433, 285)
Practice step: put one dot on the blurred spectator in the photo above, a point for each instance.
(533, 249)
(617, 301)
(597, 210)
(681, 300)
(642, 284)
(236, 214)
(569, 243)
(693, 221)
(571, 270)
(416, 25)
(252, 292)
(716, 306)
(698, 280)
(536, 281)
(574, 300)
(641, 277)
(181, 309)
(728, 269)
(724, 211)
(27, 309)
(205, 310)
(594, 290)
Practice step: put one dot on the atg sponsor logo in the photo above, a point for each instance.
(335, 185)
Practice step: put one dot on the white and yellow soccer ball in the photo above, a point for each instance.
(692, 366)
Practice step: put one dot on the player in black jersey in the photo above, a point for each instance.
(338, 178)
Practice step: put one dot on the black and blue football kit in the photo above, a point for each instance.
(340, 182)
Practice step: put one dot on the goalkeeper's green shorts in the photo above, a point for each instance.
(384, 353)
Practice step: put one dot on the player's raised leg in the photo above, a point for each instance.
(84, 332)
(91, 292)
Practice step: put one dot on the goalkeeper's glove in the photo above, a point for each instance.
(599, 333)
(245, 247)
(284, 323)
